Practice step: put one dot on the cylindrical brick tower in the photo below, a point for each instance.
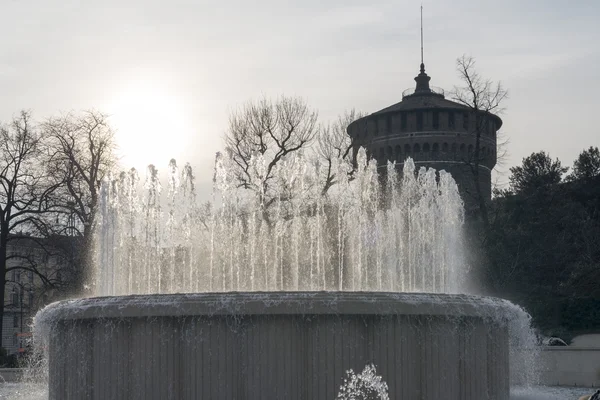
(436, 133)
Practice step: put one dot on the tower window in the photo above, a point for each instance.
(450, 120)
(466, 121)
(403, 118)
(417, 148)
(419, 120)
(435, 149)
(436, 120)
(445, 147)
(406, 150)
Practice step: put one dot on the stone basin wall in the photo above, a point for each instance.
(275, 346)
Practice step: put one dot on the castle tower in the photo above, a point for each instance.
(435, 132)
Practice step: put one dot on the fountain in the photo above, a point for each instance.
(277, 293)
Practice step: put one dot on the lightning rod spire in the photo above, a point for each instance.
(422, 79)
(421, 33)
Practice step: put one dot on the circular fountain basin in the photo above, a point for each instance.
(278, 345)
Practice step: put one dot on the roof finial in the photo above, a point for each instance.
(422, 64)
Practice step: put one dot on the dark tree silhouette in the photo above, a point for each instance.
(82, 150)
(538, 171)
(587, 165)
(542, 248)
(26, 190)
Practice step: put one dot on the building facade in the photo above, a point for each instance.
(25, 291)
(435, 132)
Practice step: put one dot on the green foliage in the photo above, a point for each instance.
(538, 171)
(587, 165)
(581, 314)
(542, 246)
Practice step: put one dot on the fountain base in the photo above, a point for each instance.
(277, 345)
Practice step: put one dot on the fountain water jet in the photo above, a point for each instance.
(281, 292)
(301, 240)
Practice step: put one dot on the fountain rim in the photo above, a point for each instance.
(275, 303)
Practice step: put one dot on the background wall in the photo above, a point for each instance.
(570, 366)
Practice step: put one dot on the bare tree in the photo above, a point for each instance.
(483, 97)
(83, 154)
(267, 131)
(25, 197)
(335, 144)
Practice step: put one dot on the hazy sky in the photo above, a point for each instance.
(170, 72)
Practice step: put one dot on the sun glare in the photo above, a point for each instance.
(151, 126)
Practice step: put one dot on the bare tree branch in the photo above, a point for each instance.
(484, 98)
(270, 131)
(26, 190)
(334, 144)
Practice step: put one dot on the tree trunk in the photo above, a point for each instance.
(86, 259)
(483, 212)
